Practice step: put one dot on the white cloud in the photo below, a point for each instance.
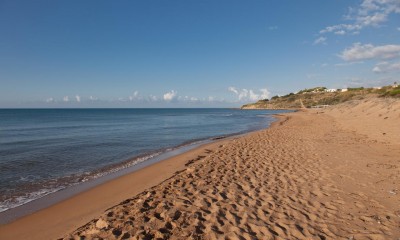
(386, 54)
(341, 29)
(250, 95)
(93, 98)
(340, 32)
(368, 51)
(50, 100)
(264, 93)
(384, 67)
(320, 40)
(135, 96)
(78, 98)
(253, 96)
(169, 96)
(232, 89)
(243, 94)
(66, 99)
(370, 13)
(153, 98)
(372, 20)
(188, 99)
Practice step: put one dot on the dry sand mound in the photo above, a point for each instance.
(306, 178)
(378, 118)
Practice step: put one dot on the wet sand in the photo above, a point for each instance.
(317, 174)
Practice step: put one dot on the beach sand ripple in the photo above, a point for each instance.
(305, 178)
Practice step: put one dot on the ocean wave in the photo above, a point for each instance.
(55, 185)
(28, 197)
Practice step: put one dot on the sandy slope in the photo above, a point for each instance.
(314, 176)
(377, 118)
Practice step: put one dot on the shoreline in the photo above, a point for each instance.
(48, 208)
(27, 191)
(35, 205)
(309, 175)
(111, 172)
(111, 193)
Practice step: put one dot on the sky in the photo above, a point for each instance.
(191, 53)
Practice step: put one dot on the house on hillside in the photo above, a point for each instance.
(331, 90)
(344, 90)
(395, 84)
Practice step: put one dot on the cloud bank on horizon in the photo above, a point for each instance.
(211, 54)
(240, 96)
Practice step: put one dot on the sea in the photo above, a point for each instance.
(45, 150)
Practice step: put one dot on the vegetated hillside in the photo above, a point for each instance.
(319, 96)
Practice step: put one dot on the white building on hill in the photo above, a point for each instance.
(331, 90)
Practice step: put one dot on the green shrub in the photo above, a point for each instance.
(355, 89)
(288, 95)
(395, 92)
(316, 89)
(380, 91)
(275, 97)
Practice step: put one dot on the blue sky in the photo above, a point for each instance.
(191, 53)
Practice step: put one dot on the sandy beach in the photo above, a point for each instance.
(329, 173)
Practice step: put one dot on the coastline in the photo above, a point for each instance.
(110, 189)
(48, 200)
(57, 163)
(62, 220)
(114, 171)
(309, 175)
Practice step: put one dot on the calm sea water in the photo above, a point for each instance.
(45, 150)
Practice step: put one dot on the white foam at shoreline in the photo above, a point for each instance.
(29, 197)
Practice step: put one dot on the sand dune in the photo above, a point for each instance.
(377, 118)
(312, 176)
